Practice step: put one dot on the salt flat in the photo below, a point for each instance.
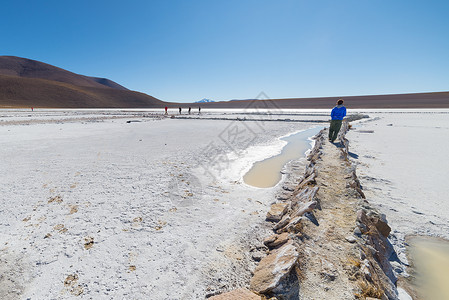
(402, 164)
(99, 208)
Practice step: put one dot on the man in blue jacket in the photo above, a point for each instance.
(337, 115)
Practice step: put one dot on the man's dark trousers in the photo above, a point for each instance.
(334, 129)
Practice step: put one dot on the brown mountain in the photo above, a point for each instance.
(28, 68)
(29, 83)
(416, 100)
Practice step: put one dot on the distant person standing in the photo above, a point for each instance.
(180, 109)
(337, 115)
(166, 110)
(199, 110)
(190, 109)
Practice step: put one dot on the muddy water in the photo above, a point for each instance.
(431, 261)
(267, 173)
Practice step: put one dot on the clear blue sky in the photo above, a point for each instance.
(188, 50)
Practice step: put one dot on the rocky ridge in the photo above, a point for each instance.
(328, 242)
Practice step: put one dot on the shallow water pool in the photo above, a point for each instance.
(267, 173)
(431, 261)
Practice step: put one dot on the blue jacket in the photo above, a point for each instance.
(338, 112)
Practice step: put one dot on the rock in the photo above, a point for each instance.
(355, 184)
(281, 239)
(350, 239)
(257, 256)
(273, 268)
(284, 221)
(238, 294)
(311, 217)
(381, 250)
(310, 170)
(315, 154)
(276, 240)
(362, 217)
(283, 196)
(307, 207)
(362, 228)
(382, 226)
(288, 188)
(270, 239)
(294, 224)
(310, 179)
(307, 194)
(276, 212)
(378, 221)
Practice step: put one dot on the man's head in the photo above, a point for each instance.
(340, 102)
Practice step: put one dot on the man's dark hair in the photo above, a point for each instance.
(340, 102)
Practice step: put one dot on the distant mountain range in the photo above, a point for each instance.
(403, 101)
(415, 100)
(205, 101)
(30, 83)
